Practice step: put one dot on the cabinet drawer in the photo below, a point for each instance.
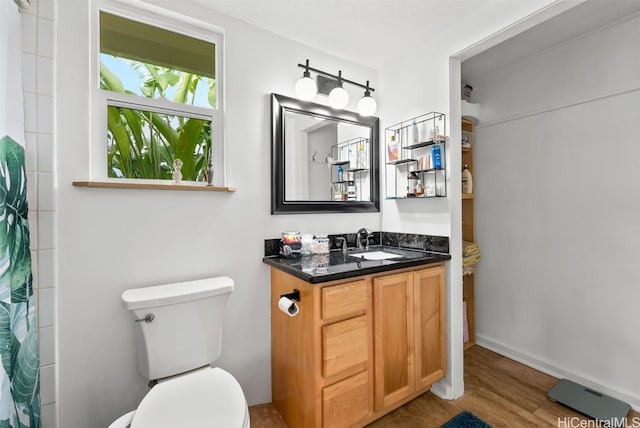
(344, 345)
(343, 300)
(346, 403)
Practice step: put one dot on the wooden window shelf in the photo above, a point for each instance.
(154, 185)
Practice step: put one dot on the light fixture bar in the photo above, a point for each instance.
(333, 76)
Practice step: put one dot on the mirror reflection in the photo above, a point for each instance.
(327, 160)
(322, 159)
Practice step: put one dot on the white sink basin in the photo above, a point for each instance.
(376, 255)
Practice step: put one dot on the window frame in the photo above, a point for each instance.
(101, 99)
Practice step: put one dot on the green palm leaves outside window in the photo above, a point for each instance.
(143, 144)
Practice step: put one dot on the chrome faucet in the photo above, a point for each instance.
(342, 243)
(360, 239)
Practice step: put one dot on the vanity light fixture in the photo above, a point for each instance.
(367, 105)
(338, 97)
(306, 89)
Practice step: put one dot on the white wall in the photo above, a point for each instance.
(419, 83)
(320, 141)
(111, 240)
(296, 173)
(38, 64)
(556, 185)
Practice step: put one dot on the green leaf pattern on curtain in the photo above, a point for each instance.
(19, 372)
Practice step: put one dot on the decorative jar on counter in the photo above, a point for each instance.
(307, 245)
(290, 244)
(321, 244)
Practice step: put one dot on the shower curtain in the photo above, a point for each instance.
(19, 371)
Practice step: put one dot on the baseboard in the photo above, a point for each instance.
(552, 369)
(443, 389)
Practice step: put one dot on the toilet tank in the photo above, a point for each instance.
(186, 330)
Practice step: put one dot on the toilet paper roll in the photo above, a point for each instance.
(288, 306)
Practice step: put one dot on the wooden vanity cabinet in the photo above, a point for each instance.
(409, 320)
(358, 347)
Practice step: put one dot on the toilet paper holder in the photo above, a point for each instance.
(287, 303)
(294, 295)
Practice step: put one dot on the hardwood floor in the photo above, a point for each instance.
(265, 416)
(499, 390)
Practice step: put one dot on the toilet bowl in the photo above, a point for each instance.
(178, 331)
(209, 397)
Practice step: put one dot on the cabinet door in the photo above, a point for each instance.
(430, 317)
(394, 338)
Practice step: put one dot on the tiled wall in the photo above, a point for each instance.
(38, 59)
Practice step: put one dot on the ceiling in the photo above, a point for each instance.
(575, 22)
(374, 32)
(368, 32)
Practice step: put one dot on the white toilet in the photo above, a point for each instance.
(178, 335)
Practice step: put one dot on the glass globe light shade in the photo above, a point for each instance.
(306, 88)
(338, 97)
(367, 106)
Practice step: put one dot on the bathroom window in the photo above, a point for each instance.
(159, 92)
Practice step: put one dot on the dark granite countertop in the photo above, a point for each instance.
(321, 268)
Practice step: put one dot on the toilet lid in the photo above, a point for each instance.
(206, 398)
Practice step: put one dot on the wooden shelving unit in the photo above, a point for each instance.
(468, 234)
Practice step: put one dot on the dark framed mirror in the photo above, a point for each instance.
(322, 159)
